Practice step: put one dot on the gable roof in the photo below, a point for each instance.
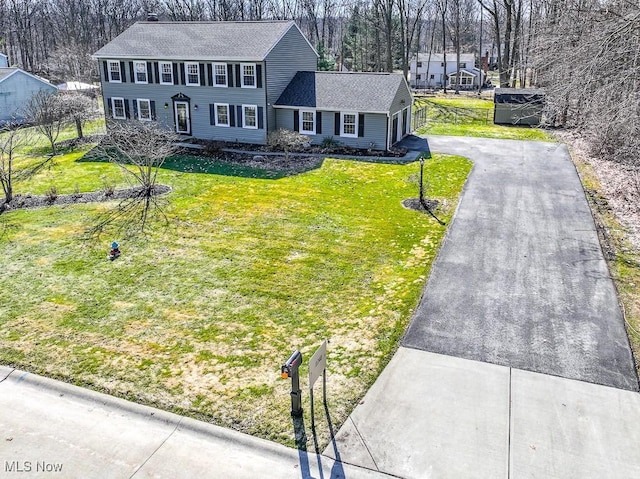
(6, 72)
(242, 41)
(9, 71)
(451, 57)
(341, 91)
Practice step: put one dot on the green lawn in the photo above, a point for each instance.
(198, 316)
(461, 115)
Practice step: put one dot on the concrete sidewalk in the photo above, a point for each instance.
(52, 429)
(435, 416)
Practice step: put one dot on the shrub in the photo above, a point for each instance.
(330, 143)
(212, 148)
(287, 140)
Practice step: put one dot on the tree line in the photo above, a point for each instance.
(56, 38)
(583, 52)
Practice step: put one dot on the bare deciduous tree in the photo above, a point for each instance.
(139, 149)
(45, 110)
(77, 108)
(11, 140)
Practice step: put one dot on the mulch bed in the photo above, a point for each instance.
(39, 201)
(212, 148)
(415, 204)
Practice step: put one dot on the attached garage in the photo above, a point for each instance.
(518, 106)
(360, 110)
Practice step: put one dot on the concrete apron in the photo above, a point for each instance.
(436, 416)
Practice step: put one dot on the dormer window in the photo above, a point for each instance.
(248, 76)
(115, 75)
(140, 70)
(192, 74)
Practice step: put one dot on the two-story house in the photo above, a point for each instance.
(224, 81)
(428, 71)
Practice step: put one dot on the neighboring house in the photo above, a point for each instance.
(221, 80)
(16, 89)
(428, 71)
(470, 78)
(4, 60)
(362, 110)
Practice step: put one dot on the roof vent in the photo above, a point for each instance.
(152, 17)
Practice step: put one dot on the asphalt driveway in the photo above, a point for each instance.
(521, 280)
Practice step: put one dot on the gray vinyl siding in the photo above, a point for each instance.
(291, 55)
(15, 93)
(202, 96)
(403, 93)
(375, 129)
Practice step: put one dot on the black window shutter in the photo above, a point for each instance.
(238, 83)
(106, 71)
(230, 75)
(203, 81)
(176, 78)
(361, 125)
(259, 76)
(212, 114)
(296, 120)
(210, 73)
(153, 109)
(149, 72)
(127, 112)
(260, 119)
(183, 80)
(156, 70)
(109, 108)
(135, 109)
(123, 73)
(132, 77)
(319, 122)
(232, 115)
(336, 126)
(239, 115)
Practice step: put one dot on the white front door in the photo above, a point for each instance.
(183, 125)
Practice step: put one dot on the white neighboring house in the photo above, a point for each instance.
(429, 71)
(4, 60)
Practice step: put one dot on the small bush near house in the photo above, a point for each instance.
(329, 143)
(287, 140)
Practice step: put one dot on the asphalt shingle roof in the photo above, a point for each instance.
(243, 41)
(451, 57)
(364, 92)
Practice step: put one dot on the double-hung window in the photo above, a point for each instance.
(140, 71)
(248, 76)
(308, 122)
(144, 109)
(192, 74)
(349, 125)
(115, 75)
(117, 109)
(222, 114)
(250, 116)
(219, 74)
(166, 73)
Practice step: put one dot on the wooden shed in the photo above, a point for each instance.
(518, 106)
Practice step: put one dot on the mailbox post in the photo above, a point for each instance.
(290, 369)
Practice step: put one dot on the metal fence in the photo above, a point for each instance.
(436, 113)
